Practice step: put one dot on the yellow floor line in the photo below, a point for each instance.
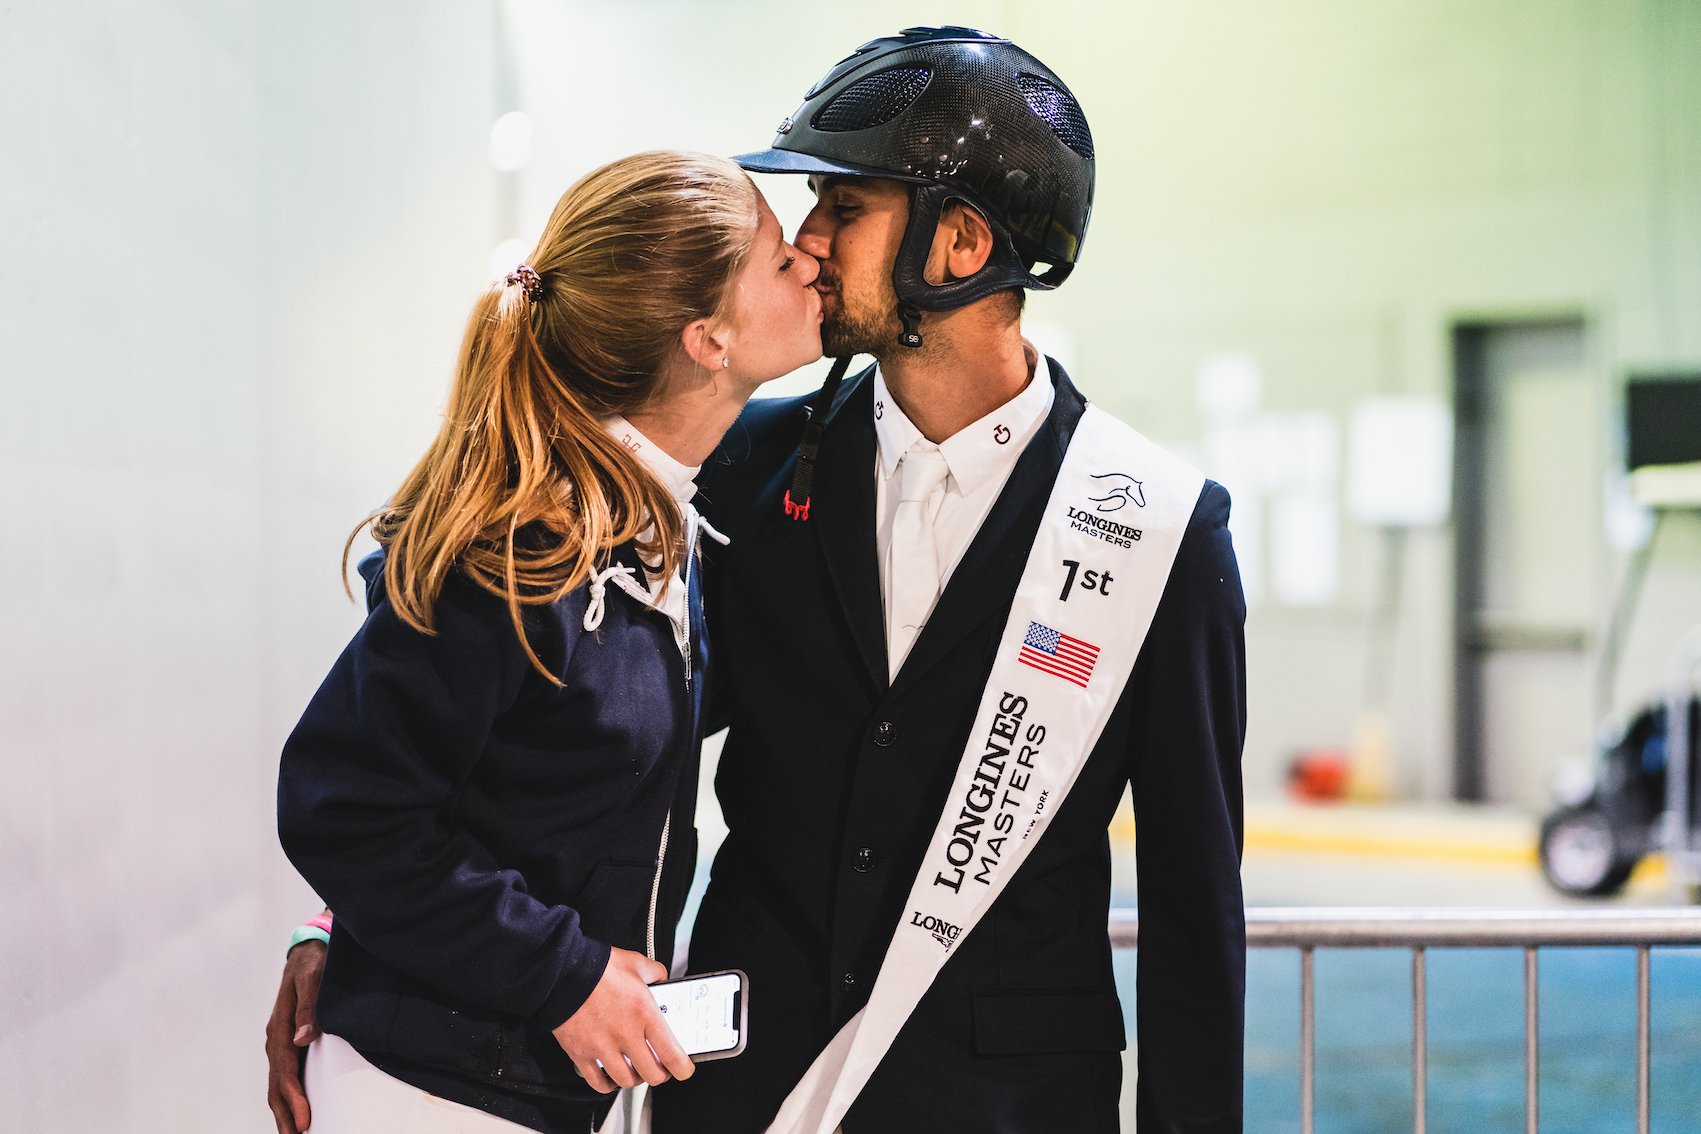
(1261, 837)
(1649, 869)
(1365, 846)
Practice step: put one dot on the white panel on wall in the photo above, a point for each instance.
(1305, 554)
(1400, 461)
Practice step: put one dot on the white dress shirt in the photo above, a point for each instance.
(981, 457)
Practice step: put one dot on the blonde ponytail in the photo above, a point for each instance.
(523, 490)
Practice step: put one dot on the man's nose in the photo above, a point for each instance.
(812, 236)
(809, 266)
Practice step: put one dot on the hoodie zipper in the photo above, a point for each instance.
(682, 635)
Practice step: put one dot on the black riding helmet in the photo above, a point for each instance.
(963, 115)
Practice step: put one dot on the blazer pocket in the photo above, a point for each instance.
(1047, 1021)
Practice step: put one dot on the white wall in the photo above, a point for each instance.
(240, 239)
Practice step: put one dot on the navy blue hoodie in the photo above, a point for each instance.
(485, 835)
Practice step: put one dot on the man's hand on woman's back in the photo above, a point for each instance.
(291, 1028)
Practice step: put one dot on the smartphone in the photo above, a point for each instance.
(707, 1013)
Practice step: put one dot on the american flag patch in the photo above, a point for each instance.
(1056, 653)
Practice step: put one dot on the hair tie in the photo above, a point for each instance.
(527, 278)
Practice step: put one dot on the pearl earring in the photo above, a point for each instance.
(725, 362)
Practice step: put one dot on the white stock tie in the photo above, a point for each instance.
(914, 574)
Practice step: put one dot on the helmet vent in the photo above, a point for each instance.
(1059, 110)
(875, 100)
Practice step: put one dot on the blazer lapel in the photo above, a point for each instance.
(843, 518)
(984, 581)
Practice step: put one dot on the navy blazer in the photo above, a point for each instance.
(832, 779)
(485, 835)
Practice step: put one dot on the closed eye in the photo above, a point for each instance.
(789, 261)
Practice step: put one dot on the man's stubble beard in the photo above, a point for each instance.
(841, 337)
(865, 327)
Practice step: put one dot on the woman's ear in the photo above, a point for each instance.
(704, 345)
(962, 244)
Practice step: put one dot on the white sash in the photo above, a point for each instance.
(1088, 593)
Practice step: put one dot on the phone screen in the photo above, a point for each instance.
(705, 1013)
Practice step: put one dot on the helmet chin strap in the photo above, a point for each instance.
(798, 498)
(910, 336)
(1004, 268)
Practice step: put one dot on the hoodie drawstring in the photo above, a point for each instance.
(595, 608)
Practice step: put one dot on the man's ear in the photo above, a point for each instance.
(704, 344)
(962, 244)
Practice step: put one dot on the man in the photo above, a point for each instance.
(899, 639)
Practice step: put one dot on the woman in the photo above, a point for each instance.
(494, 786)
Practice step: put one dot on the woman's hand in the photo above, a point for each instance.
(620, 1027)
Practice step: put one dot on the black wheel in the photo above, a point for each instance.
(1583, 853)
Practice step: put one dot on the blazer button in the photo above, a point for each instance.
(849, 981)
(863, 860)
(885, 733)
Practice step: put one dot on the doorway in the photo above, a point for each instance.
(1527, 501)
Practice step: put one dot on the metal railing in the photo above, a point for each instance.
(1308, 930)
(1679, 828)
